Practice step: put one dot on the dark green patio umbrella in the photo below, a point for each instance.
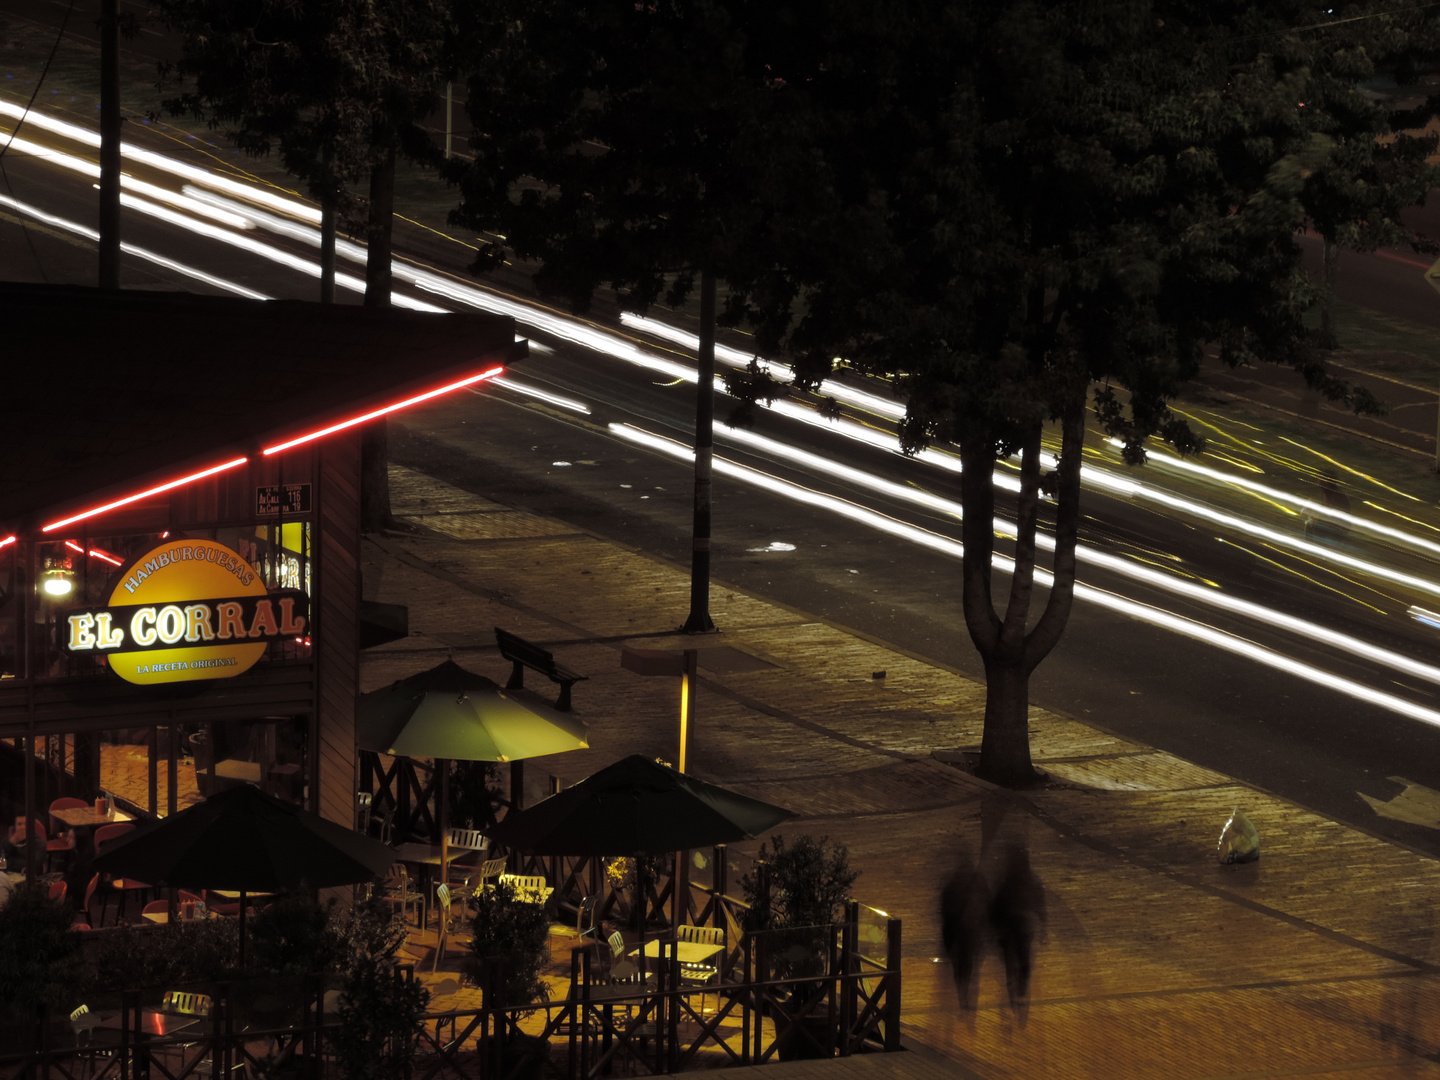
(634, 805)
(244, 840)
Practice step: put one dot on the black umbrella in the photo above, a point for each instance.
(635, 805)
(243, 840)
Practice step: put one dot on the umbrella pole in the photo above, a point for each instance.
(444, 816)
(242, 929)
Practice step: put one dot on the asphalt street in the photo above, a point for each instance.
(1214, 707)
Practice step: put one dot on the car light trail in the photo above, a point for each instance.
(736, 358)
(86, 137)
(1387, 531)
(934, 541)
(130, 249)
(620, 348)
(531, 391)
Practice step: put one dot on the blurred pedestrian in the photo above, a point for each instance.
(964, 904)
(1017, 915)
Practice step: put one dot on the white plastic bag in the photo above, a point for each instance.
(1239, 840)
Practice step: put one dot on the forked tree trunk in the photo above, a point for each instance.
(1009, 652)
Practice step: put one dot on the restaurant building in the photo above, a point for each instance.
(180, 593)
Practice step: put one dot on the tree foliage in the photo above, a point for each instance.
(336, 87)
(1025, 211)
(611, 141)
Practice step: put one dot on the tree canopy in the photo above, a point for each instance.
(1023, 212)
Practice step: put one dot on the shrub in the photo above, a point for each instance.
(40, 956)
(802, 892)
(515, 935)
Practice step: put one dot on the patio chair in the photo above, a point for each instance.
(62, 845)
(468, 840)
(490, 872)
(703, 973)
(189, 1003)
(400, 893)
(362, 811)
(83, 1023)
(447, 918)
(57, 890)
(90, 891)
(123, 886)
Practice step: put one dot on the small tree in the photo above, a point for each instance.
(380, 1012)
(799, 893)
(510, 935)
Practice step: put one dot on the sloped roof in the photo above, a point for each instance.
(104, 390)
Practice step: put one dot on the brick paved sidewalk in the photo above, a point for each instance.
(1322, 958)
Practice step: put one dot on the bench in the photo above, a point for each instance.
(523, 654)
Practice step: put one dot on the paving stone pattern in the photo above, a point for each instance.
(1321, 959)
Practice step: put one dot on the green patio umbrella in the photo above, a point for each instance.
(448, 712)
(451, 714)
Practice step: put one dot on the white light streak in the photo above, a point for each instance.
(1146, 613)
(131, 249)
(736, 358)
(531, 391)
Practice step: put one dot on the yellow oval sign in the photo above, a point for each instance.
(189, 609)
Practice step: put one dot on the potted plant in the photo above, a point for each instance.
(796, 894)
(509, 948)
(381, 1006)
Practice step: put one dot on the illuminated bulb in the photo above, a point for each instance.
(57, 584)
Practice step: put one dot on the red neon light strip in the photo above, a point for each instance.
(490, 374)
(8, 540)
(94, 554)
(146, 494)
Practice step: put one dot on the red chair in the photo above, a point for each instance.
(57, 890)
(106, 833)
(78, 925)
(62, 845)
(155, 907)
(85, 907)
(124, 886)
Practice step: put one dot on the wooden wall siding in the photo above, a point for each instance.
(337, 628)
(87, 704)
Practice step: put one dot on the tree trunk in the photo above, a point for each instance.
(1005, 747)
(109, 271)
(699, 620)
(378, 232)
(1327, 301)
(1009, 653)
(328, 202)
(374, 438)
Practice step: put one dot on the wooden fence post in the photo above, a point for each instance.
(892, 980)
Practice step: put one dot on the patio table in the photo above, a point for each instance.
(422, 857)
(687, 952)
(152, 1022)
(85, 817)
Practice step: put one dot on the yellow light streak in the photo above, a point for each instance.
(1353, 472)
(1296, 573)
